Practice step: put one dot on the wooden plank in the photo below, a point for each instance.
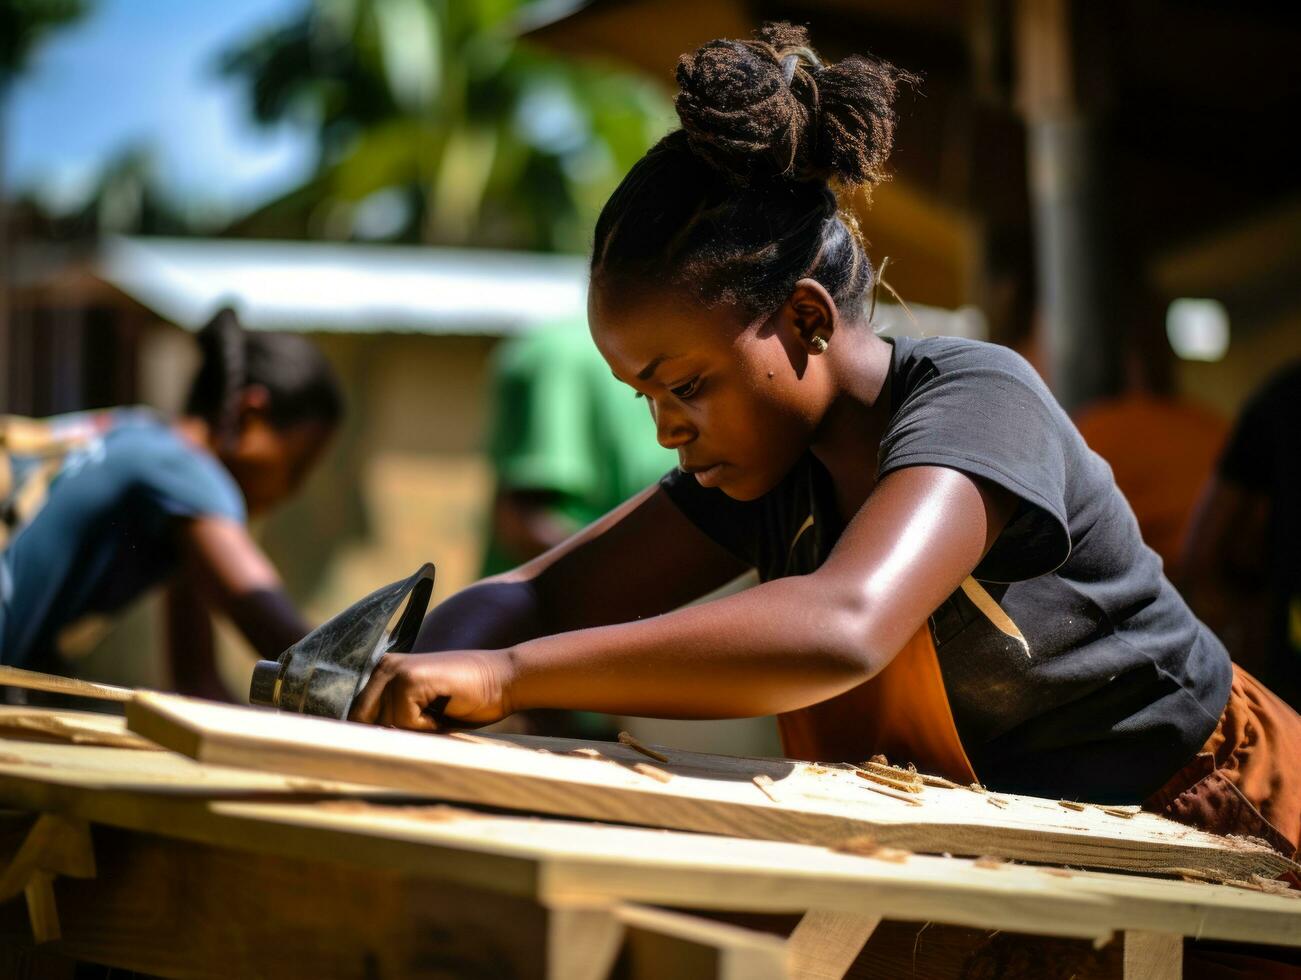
(563, 861)
(1153, 956)
(33, 680)
(74, 727)
(825, 944)
(709, 794)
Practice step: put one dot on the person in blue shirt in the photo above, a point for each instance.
(98, 507)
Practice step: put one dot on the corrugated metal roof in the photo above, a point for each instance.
(310, 286)
(349, 288)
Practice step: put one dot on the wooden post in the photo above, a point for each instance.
(825, 944)
(1082, 355)
(54, 845)
(1153, 956)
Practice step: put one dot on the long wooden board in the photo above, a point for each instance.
(564, 861)
(692, 791)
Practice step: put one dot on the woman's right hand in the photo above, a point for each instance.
(406, 686)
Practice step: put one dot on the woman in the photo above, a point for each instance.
(949, 575)
(101, 506)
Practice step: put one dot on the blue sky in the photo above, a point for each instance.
(142, 73)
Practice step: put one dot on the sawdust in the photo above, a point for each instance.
(656, 773)
(988, 861)
(894, 794)
(1072, 805)
(767, 786)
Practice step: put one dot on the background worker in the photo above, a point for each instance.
(1242, 562)
(104, 505)
(568, 442)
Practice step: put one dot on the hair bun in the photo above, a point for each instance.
(768, 108)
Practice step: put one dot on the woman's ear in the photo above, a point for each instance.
(813, 315)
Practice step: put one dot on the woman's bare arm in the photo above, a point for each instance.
(780, 646)
(223, 565)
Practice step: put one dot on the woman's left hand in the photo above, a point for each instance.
(474, 682)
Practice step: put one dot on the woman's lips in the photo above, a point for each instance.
(708, 476)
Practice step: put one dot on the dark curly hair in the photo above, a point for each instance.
(298, 378)
(740, 203)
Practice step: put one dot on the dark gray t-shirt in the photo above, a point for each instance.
(1116, 685)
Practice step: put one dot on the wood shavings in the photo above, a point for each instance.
(816, 770)
(1274, 886)
(1058, 872)
(997, 801)
(766, 786)
(902, 785)
(929, 780)
(988, 861)
(894, 794)
(863, 845)
(1072, 805)
(646, 769)
(895, 855)
(892, 776)
(1127, 812)
(977, 788)
(626, 739)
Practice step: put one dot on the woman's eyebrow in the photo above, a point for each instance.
(645, 373)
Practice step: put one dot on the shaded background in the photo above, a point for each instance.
(410, 181)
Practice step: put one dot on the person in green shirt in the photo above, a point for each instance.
(568, 443)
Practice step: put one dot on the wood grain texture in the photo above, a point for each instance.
(33, 680)
(708, 794)
(825, 944)
(1153, 956)
(556, 861)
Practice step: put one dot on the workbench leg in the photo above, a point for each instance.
(54, 845)
(582, 941)
(824, 945)
(663, 943)
(1153, 956)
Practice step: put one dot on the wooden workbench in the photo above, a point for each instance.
(146, 860)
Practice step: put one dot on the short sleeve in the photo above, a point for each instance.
(986, 413)
(179, 482)
(542, 416)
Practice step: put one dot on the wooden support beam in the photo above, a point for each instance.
(825, 943)
(583, 940)
(55, 845)
(1153, 956)
(660, 943)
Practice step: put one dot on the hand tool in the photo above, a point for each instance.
(323, 673)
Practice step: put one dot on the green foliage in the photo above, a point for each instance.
(24, 23)
(435, 123)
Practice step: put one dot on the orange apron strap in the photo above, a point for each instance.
(902, 712)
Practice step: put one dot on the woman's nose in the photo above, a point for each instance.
(671, 429)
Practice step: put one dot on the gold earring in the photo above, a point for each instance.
(819, 344)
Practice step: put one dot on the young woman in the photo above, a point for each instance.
(949, 575)
(101, 506)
